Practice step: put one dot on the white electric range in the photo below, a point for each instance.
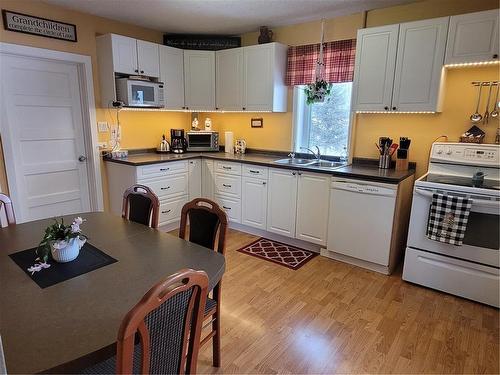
(471, 270)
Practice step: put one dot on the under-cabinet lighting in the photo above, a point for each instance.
(398, 112)
(136, 109)
(472, 64)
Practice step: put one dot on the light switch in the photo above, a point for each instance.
(102, 126)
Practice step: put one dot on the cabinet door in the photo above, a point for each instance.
(172, 75)
(473, 37)
(124, 54)
(282, 202)
(374, 68)
(199, 79)
(419, 63)
(312, 207)
(258, 78)
(208, 179)
(229, 79)
(194, 179)
(148, 58)
(254, 202)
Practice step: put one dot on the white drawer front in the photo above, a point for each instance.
(170, 210)
(255, 171)
(169, 186)
(232, 208)
(162, 169)
(228, 167)
(227, 185)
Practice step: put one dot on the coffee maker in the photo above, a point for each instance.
(178, 143)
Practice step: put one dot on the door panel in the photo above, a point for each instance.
(43, 130)
(199, 79)
(282, 202)
(124, 54)
(148, 58)
(254, 202)
(258, 78)
(172, 75)
(229, 78)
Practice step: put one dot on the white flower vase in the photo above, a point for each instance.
(64, 252)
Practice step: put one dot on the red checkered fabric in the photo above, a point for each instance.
(338, 58)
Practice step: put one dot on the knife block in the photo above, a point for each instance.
(401, 164)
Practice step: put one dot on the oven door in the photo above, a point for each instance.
(201, 141)
(482, 237)
(143, 94)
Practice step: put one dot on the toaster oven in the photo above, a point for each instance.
(202, 141)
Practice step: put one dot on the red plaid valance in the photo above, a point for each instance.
(338, 58)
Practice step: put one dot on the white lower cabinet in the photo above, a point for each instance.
(194, 178)
(254, 202)
(207, 178)
(170, 210)
(313, 196)
(282, 202)
(232, 207)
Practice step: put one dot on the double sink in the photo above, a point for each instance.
(315, 163)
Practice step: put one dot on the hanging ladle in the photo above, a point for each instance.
(494, 113)
(476, 117)
(486, 116)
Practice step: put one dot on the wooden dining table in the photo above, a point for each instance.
(75, 322)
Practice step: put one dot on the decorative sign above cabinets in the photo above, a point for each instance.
(27, 24)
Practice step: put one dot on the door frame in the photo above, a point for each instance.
(85, 79)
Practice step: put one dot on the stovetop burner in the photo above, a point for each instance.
(462, 181)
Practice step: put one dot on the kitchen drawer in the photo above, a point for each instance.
(170, 210)
(228, 167)
(228, 185)
(162, 169)
(255, 171)
(232, 207)
(169, 186)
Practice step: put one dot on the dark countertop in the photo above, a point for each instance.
(363, 169)
(44, 328)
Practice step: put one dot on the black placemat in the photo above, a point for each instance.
(89, 259)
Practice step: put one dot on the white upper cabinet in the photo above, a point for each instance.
(282, 202)
(312, 207)
(172, 75)
(419, 63)
(473, 37)
(124, 54)
(199, 80)
(229, 78)
(264, 69)
(148, 58)
(374, 68)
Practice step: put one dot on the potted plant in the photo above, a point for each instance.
(62, 242)
(317, 92)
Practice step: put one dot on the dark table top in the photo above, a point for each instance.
(44, 328)
(362, 169)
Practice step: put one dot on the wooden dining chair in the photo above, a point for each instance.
(6, 202)
(141, 205)
(161, 333)
(206, 221)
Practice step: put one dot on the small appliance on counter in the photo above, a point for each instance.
(402, 155)
(164, 146)
(202, 141)
(240, 146)
(386, 149)
(178, 143)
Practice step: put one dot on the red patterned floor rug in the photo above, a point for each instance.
(280, 253)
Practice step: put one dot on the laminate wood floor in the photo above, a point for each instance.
(331, 317)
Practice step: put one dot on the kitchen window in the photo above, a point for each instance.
(326, 125)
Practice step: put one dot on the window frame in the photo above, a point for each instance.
(300, 127)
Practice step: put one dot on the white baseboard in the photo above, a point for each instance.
(357, 262)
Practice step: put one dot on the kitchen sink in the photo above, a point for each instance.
(294, 161)
(326, 164)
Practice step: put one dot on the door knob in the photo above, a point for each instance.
(82, 158)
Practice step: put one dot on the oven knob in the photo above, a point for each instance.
(448, 151)
(439, 151)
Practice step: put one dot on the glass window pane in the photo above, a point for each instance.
(329, 121)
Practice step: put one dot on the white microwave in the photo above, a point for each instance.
(140, 93)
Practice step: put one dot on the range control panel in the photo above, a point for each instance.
(466, 153)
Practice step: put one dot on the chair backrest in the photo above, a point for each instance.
(9, 210)
(141, 205)
(168, 321)
(206, 218)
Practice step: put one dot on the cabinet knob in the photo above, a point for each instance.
(166, 212)
(217, 108)
(386, 108)
(264, 183)
(394, 108)
(300, 173)
(226, 208)
(136, 70)
(244, 108)
(495, 56)
(294, 173)
(142, 71)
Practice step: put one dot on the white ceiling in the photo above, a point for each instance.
(220, 16)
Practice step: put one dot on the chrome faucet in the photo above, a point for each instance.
(292, 155)
(316, 155)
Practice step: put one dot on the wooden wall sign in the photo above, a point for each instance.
(24, 23)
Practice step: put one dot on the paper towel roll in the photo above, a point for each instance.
(228, 142)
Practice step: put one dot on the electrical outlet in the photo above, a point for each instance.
(114, 132)
(102, 126)
(103, 145)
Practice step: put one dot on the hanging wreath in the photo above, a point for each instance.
(317, 91)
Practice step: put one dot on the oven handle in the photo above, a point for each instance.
(482, 202)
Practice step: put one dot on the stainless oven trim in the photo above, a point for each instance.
(476, 198)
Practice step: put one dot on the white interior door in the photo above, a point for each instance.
(42, 136)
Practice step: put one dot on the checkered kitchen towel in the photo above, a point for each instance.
(448, 216)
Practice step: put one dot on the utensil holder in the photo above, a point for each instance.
(401, 164)
(384, 162)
